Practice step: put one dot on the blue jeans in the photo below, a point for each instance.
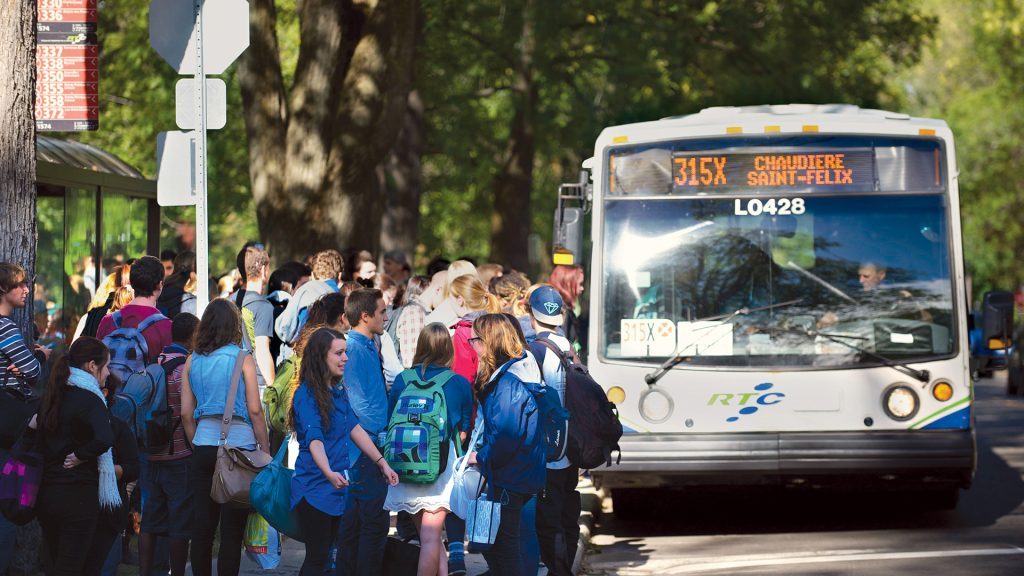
(364, 525)
(504, 557)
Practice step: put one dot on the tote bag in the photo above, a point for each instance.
(467, 482)
(271, 495)
(482, 522)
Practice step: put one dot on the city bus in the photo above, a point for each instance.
(777, 298)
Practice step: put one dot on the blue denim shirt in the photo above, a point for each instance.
(308, 481)
(209, 379)
(364, 382)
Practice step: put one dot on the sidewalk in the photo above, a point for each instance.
(294, 552)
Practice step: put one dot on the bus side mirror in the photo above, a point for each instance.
(568, 236)
(997, 319)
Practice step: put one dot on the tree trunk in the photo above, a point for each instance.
(314, 152)
(18, 193)
(18, 144)
(266, 123)
(510, 221)
(370, 115)
(402, 183)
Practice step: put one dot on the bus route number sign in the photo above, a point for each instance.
(844, 170)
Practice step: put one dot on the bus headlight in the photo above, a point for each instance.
(656, 405)
(900, 402)
(616, 395)
(942, 391)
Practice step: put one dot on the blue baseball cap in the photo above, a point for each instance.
(546, 306)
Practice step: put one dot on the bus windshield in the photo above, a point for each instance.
(801, 280)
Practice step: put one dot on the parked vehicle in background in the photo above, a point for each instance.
(991, 334)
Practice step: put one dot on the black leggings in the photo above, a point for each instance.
(207, 515)
(67, 514)
(319, 530)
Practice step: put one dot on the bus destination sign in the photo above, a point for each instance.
(834, 169)
(67, 66)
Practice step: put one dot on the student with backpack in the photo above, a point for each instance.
(257, 311)
(558, 508)
(137, 332)
(429, 401)
(167, 507)
(327, 430)
(513, 450)
(327, 267)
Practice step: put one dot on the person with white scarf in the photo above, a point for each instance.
(75, 439)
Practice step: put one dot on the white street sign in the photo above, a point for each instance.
(185, 104)
(172, 33)
(175, 175)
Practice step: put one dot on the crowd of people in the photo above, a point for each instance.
(325, 359)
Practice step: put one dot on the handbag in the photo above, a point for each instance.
(467, 482)
(482, 522)
(21, 472)
(271, 495)
(18, 402)
(236, 468)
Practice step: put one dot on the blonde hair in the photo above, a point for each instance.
(474, 295)
(456, 270)
(511, 289)
(434, 347)
(108, 286)
(501, 343)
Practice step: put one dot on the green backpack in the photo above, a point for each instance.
(416, 445)
(277, 397)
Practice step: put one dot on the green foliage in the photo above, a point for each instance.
(971, 77)
(599, 63)
(137, 102)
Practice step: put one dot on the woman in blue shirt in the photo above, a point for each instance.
(429, 503)
(205, 383)
(325, 424)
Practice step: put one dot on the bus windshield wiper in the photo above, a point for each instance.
(678, 356)
(920, 375)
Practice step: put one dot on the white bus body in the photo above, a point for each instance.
(745, 240)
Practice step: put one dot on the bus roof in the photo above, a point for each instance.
(773, 118)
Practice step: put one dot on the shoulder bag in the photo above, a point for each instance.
(236, 468)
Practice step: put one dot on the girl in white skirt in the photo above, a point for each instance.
(429, 503)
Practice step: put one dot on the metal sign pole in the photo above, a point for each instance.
(202, 226)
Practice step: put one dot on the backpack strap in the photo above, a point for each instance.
(149, 321)
(116, 319)
(562, 356)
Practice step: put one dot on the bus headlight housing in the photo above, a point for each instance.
(942, 391)
(616, 395)
(900, 402)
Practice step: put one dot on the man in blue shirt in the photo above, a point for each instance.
(364, 526)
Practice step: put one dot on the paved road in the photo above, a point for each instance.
(825, 534)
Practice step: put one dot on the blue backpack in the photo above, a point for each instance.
(128, 347)
(142, 403)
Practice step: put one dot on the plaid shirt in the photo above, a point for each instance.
(408, 330)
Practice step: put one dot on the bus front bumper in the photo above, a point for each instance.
(940, 457)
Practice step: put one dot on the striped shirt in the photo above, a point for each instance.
(13, 350)
(179, 448)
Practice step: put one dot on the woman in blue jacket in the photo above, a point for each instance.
(326, 426)
(512, 452)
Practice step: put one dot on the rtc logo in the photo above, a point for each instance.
(751, 402)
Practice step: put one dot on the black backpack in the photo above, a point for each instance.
(594, 427)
